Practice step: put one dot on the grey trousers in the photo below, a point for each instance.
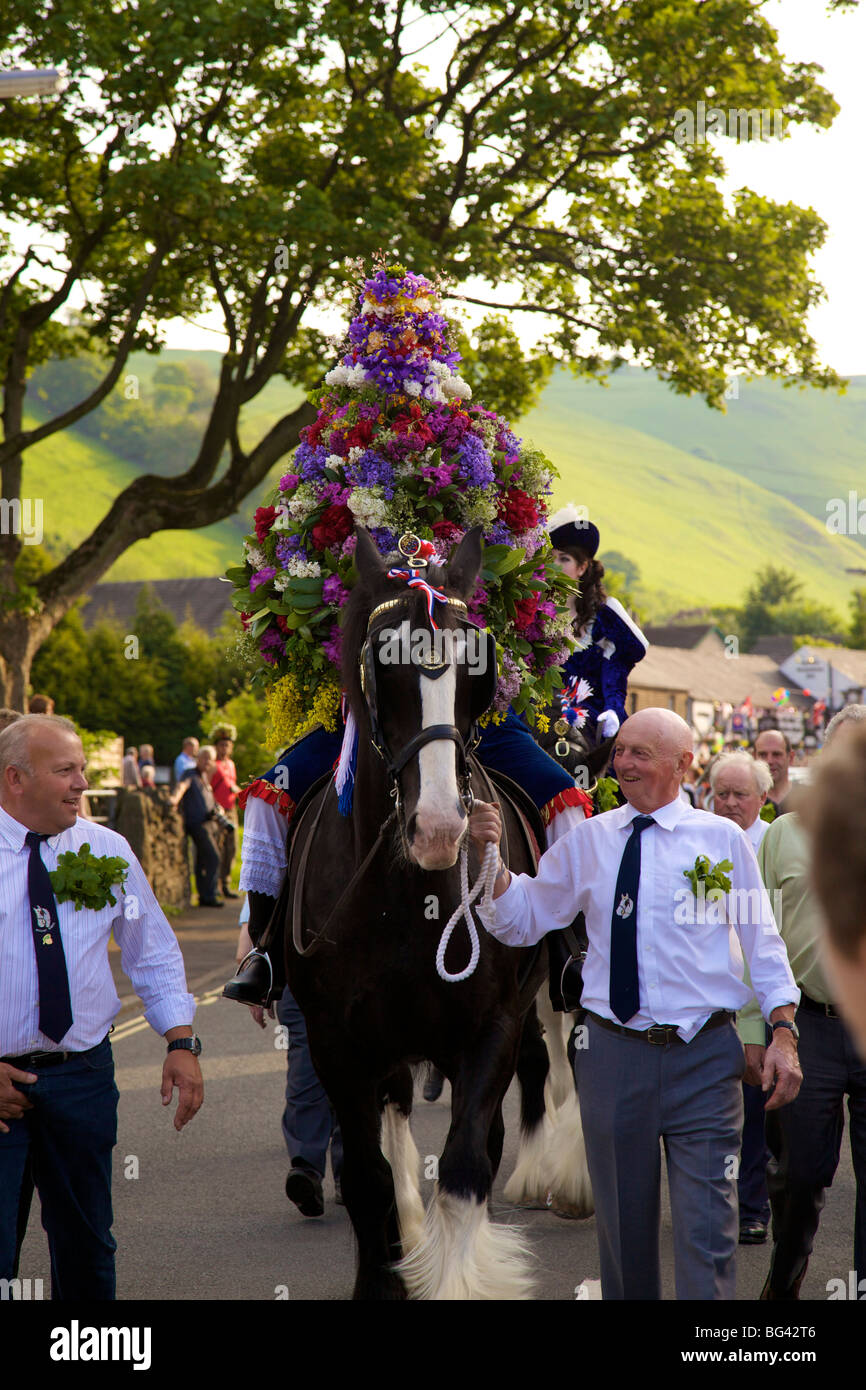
(632, 1096)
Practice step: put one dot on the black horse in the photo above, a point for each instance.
(369, 895)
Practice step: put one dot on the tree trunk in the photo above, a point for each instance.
(21, 636)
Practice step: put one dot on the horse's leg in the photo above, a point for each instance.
(462, 1254)
(556, 1027)
(367, 1184)
(398, 1146)
(528, 1185)
(565, 1156)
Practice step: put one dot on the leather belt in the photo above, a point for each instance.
(37, 1061)
(661, 1034)
(812, 1006)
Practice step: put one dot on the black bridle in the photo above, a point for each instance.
(396, 762)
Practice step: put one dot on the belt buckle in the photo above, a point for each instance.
(658, 1028)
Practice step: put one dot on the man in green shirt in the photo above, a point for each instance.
(805, 1137)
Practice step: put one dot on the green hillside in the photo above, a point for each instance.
(806, 445)
(699, 500)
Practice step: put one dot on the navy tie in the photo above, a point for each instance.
(624, 992)
(55, 1008)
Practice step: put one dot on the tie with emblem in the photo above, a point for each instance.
(624, 993)
(55, 1008)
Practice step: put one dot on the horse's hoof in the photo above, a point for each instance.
(567, 1210)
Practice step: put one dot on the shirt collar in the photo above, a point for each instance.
(15, 833)
(668, 817)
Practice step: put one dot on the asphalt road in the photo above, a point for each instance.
(203, 1214)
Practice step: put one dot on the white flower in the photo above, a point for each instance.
(356, 376)
(299, 568)
(456, 386)
(412, 388)
(256, 557)
(281, 520)
(303, 502)
(337, 376)
(355, 454)
(334, 461)
(368, 506)
(280, 581)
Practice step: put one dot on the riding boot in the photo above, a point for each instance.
(261, 976)
(566, 952)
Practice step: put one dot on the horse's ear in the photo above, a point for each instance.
(368, 561)
(462, 572)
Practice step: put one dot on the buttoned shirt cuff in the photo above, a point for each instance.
(497, 918)
(778, 999)
(177, 1011)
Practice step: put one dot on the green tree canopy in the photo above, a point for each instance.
(240, 155)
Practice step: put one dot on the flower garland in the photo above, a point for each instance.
(396, 447)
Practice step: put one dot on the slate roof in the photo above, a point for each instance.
(204, 600)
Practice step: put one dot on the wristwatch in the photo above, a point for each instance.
(783, 1023)
(192, 1045)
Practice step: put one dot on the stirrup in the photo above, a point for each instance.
(254, 981)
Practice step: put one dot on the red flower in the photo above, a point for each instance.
(264, 520)
(359, 435)
(447, 532)
(525, 611)
(518, 510)
(334, 525)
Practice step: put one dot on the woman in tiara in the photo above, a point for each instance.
(609, 642)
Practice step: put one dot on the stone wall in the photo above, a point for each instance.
(155, 833)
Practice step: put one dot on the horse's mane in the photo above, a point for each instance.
(365, 596)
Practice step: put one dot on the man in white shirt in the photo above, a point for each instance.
(740, 786)
(661, 1059)
(58, 1100)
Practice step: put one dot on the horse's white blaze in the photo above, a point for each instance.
(567, 1171)
(398, 1146)
(463, 1255)
(437, 815)
(528, 1184)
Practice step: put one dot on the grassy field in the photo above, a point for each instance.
(698, 499)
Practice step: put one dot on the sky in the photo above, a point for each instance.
(818, 168)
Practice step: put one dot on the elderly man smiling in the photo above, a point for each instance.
(663, 1062)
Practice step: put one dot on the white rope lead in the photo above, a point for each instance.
(486, 880)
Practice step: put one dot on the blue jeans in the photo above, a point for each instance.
(67, 1140)
(309, 1123)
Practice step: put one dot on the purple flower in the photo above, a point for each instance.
(385, 539)
(289, 482)
(262, 577)
(334, 590)
(291, 545)
(372, 470)
(271, 646)
(475, 465)
(333, 645)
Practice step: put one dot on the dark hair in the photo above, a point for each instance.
(592, 591)
(41, 704)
